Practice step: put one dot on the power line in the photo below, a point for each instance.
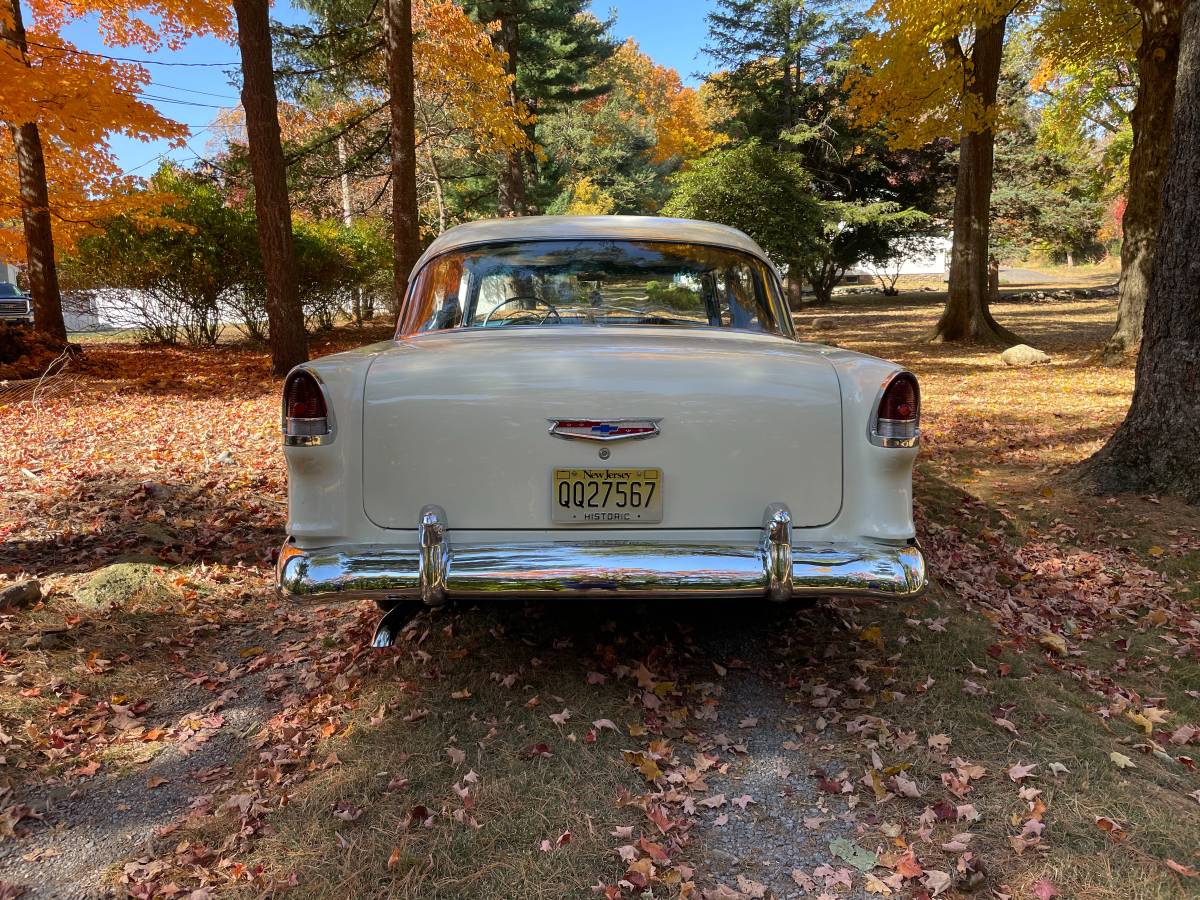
(144, 96)
(130, 59)
(175, 87)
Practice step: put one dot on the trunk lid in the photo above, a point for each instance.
(460, 419)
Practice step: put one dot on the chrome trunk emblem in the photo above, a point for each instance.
(603, 429)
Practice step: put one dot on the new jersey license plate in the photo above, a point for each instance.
(601, 496)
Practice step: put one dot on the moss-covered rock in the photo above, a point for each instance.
(123, 584)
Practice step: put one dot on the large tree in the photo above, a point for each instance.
(932, 69)
(1157, 62)
(289, 341)
(1155, 448)
(551, 49)
(335, 74)
(407, 234)
(40, 267)
(61, 106)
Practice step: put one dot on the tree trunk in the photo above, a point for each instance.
(1155, 448)
(823, 278)
(511, 199)
(285, 320)
(1157, 60)
(40, 267)
(406, 245)
(967, 316)
(794, 286)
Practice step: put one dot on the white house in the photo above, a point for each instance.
(8, 272)
(913, 256)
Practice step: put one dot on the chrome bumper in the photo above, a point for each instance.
(434, 572)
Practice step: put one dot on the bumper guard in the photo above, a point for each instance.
(434, 571)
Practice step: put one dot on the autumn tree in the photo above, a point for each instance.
(1154, 449)
(334, 72)
(289, 342)
(616, 152)
(931, 68)
(62, 105)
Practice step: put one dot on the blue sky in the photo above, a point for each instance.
(189, 85)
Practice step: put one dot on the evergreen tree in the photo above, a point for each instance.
(552, 47)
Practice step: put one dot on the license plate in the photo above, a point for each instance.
(599, 496)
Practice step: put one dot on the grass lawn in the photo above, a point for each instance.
(1027, 729)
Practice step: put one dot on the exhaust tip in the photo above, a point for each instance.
(393, 622)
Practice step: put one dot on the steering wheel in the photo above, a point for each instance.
(552, 311)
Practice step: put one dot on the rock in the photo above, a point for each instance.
(21, 595)
(1064, 295)
(824, 323)
(121, 584)
(1024, 355)
(156, 533)
(1082, 293)
(47, 640)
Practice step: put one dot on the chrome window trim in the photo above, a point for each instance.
(773, 283)
(307, 440)
(880, 440)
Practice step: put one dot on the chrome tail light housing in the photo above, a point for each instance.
(896, 421)
(307, 420)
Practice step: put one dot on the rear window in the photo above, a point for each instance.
(546, 284)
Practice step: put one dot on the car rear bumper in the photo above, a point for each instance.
(435, 571)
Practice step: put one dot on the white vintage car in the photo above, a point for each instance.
(595, 406)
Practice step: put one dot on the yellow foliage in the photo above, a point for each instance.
(460, 76)
(589, 199)
(908, 74)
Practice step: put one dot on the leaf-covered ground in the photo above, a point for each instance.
(168, 729)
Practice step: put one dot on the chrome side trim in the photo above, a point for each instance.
(432, 573)
(776, 546)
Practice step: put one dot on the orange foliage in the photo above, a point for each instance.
(681, 125)
(79, 100)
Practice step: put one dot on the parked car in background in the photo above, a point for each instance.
(14, 305)
(598, 406)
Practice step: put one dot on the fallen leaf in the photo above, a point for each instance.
(1121, 761)
(755, 890)
(1055, 643)
(1017, 771)
(861, 859)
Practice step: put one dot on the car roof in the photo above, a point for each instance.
(628, 228)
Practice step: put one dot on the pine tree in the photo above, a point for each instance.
(551, 46)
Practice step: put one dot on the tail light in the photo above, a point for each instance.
(306, 418)
(898, 417)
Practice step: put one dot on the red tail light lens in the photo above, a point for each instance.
(898, 419)
(305, 415)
